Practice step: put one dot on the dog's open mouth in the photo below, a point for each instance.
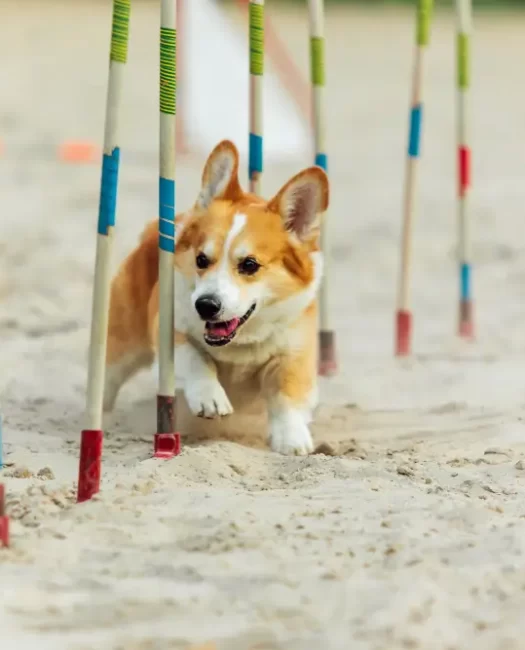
(222, 332)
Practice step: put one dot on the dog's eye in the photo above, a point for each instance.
(202, 261)
(249, 266)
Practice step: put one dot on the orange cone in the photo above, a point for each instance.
(78, 151)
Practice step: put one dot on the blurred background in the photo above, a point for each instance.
(53, 81)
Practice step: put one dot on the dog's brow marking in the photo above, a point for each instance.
(241, 251)
(209, 248)
(239, 222)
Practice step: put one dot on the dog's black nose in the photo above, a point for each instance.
(208, 307)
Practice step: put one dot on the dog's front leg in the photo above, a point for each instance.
(205, 396)
(290, 405)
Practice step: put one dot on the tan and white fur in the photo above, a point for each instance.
(247, 273)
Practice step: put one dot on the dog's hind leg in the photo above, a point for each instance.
(130, 344)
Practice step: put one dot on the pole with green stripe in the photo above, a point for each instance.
(403, 340)
(327, 356)
(464, 28)
(256, 38)
(91, 441)
(167, 442)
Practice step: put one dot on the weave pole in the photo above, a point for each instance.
(404, 315)
(4, 519)
(181, 144)
(464, 28)
(256, 39)
(327, 358)
(286, 68)
(167, 442)
(92, 435)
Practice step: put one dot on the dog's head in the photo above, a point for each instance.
(251, 263)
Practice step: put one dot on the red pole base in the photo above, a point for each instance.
(327, 359)
(167, 445)
(4, 531)
(403, 333)
(89, 466)
(4, 519)
(166, 442)
(466, 330)
(466, 321)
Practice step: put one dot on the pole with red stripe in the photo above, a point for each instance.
(464, 22)
(92, 435)
(403, 340)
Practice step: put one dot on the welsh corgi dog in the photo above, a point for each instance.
(247, 274)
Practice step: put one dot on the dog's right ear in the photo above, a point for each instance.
(220, 178)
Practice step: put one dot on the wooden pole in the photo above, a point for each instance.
(327, 356)
(404, 315)
(92, 435)
(464, 21)
(167, 442)
(256, 40)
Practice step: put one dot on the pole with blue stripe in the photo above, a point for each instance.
(91, 440)
(327, 357)
(256, 38)
(404, 315)
(167, 442)
(464, 28)
(4, 519)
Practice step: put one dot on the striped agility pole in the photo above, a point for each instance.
(167, 442)
(4, 519)
(327, 359)
(256, 38)
(180, 133)
(404, 315)
(464, 28)
(91, 441)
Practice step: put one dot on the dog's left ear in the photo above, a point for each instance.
(301, 201)
(220, 178)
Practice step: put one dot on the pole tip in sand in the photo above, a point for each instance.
(466, 320)
(4, 519)
(466, 329)
(403, 333)
(327, 358)
(77, 151)
(166, 445)
(89, 466)
(166, 441)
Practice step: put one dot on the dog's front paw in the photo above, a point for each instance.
(207, 399)
(289, 433)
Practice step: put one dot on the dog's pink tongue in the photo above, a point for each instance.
(223, 329)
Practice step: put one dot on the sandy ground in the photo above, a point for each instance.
(412, 537)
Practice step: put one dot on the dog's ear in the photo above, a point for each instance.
(301, 201)
(220, 178)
